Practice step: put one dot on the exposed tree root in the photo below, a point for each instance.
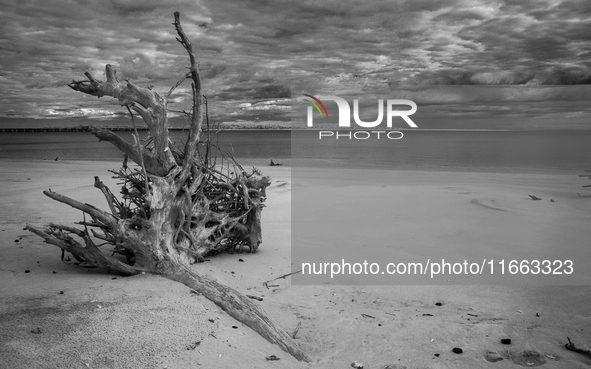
(178, 207)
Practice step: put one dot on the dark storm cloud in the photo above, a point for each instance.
(45, 44)
(258, 49)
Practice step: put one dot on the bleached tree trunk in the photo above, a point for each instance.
(178, 208)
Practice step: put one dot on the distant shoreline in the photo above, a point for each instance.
(118, 129)
(84, 128)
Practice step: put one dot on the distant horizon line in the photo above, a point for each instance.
(86, 128)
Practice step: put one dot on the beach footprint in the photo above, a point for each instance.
(483, 202)
(280, 186)
(459, 190)
(488, 204)
(528, 358)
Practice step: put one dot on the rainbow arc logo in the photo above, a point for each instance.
(315, 105)
(387, 111)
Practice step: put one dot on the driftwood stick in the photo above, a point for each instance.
(152, 164)
(285, 275)
(236, 305)
(102, 216)
(111, 200)
(76, 231)
(139, 148)
(94, 224)
(90, 254)
(144, 101)
(295, 331)
(69, 245)
(197, 116)
(177, 85)
(281, 277)
(110, 239)
(571, 346)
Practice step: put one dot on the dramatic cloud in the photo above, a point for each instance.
(256, 50)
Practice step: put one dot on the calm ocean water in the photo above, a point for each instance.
(504, 151)
(259, 146)
(484, 151)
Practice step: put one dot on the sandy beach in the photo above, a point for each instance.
(56, 314)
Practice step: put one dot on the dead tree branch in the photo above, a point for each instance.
(179, 208)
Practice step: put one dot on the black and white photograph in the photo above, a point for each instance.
(379, 184)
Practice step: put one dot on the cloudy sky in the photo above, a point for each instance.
(524, 62)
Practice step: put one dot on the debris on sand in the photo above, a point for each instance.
(492, 357)
(571, 346)
(193, 345)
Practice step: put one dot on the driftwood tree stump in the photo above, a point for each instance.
(178, 207)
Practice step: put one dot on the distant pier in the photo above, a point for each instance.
(75, 129)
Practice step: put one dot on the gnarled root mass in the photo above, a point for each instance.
(209, 214)
(177, 208)
(170, 226)
(165, 232)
